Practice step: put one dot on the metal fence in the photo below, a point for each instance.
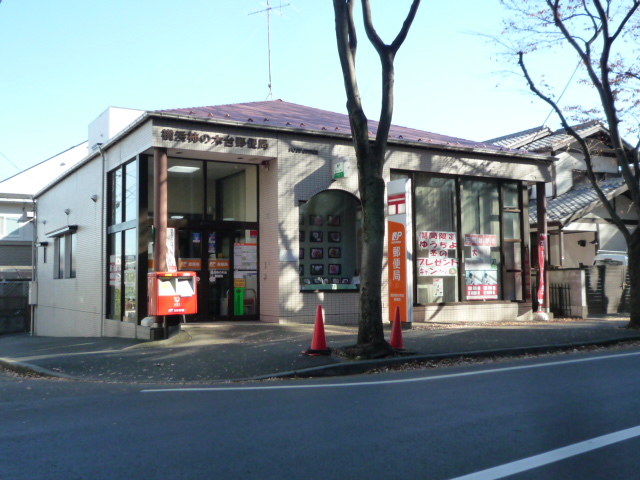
(560, 300)
(14, 308)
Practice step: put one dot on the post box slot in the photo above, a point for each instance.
(166, 288)
(184, 288)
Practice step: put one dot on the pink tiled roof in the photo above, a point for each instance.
(277, 113)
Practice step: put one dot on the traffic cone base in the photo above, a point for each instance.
(319, 342)
(396, 332)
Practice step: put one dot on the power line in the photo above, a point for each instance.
(563, 91)
(7, 158)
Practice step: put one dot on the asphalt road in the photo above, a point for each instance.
(550, 418)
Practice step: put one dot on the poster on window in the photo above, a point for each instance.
(437, 267)
(245, 256)
(480, 240)
(438, 287)
(480, 259)
(482, 292)
(437, 244)
(482, 284)
(115, 268)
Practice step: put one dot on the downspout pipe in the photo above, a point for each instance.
(34, 271)
(104, 240)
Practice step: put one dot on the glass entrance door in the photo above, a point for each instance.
(227, 266)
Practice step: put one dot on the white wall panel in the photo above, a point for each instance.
(72, 306)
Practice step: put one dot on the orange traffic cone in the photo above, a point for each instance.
(396, 332)
(319, 342)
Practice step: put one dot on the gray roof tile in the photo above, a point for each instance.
(577, 202)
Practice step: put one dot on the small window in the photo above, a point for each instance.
(65, 253)
(9, 227)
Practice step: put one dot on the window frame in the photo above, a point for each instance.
(16, 234)
(326, 242)
(123, 219)
(523, 232)
(65, 252)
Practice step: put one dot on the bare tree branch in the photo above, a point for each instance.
(387, 54)
(583, 146)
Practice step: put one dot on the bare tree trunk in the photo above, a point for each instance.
(634, 279)
(370, 156)
(372, 190)
(611, 80)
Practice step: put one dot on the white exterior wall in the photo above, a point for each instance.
(111, 122)
(75, 306)
(131, 145)
(72, 306)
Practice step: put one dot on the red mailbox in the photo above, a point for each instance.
(172, 293)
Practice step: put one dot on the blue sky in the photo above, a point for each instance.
(64, 63)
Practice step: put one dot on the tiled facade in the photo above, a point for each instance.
(293, 167)
(72, 306)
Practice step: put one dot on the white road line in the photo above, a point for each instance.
(387, 382)
(552, 456)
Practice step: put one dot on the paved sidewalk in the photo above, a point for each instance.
(225, 351)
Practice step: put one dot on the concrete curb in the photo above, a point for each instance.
(27, 368)
(343, 368)
(362, 366)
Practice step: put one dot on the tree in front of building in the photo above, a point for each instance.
(605, 36)
(370, 156)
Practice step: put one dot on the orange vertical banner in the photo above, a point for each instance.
(399, 249)
(397, 255)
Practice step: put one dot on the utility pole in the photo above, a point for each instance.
(268, 11)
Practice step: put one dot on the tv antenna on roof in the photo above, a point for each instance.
(268, 10)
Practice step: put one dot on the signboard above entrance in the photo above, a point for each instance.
(228, 141)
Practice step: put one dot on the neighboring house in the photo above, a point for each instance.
(578, 224)
(261, 201)
(16, 210)
(17, 235)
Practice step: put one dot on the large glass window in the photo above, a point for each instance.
(480, 212)
(122, 246)
(232, 192)
(185, 189)
(469, 238)
(436, 239)
(329, 256)
(114, 305)
(122, 299)
(130, 275)
(511, 216)
(115, 185)
(130, 190)
(213, 191)
(123, 193)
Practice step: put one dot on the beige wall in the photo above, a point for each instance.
(303, 175)
(295, 173)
